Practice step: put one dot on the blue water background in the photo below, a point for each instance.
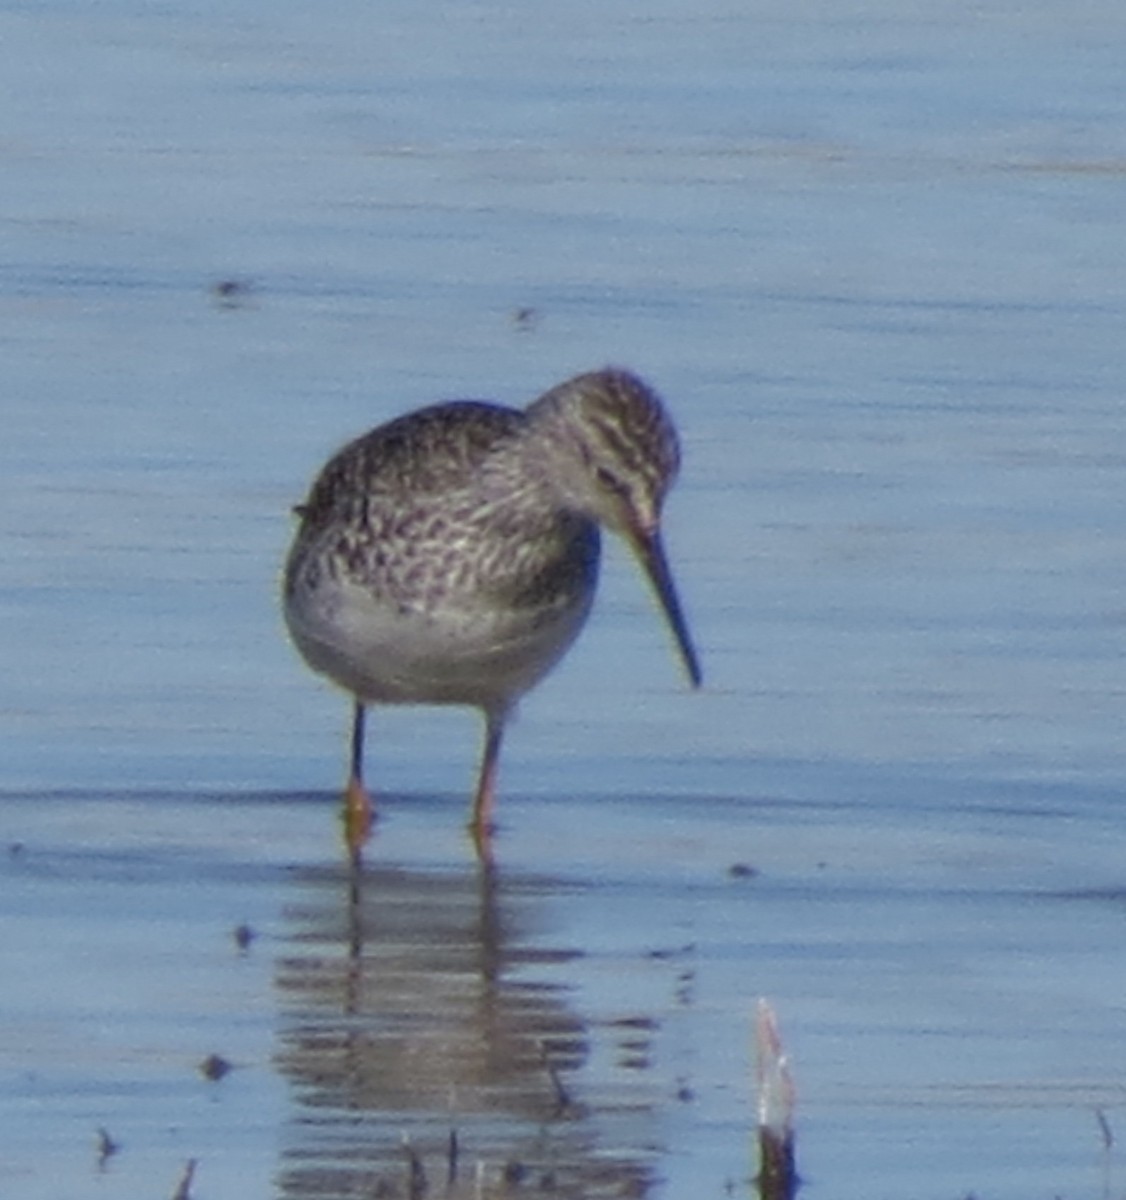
(873, 255)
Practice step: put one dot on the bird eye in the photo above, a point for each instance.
(610, 481)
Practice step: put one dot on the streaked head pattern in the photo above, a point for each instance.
(612, 447)
(612, 452)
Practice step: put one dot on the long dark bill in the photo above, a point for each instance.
(651, 554)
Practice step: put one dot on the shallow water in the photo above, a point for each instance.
(944, 987)
(873, 256)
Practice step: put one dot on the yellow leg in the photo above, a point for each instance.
(359, 812)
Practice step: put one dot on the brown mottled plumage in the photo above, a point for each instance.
(451, 555)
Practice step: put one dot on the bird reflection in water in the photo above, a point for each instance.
(425, 1056)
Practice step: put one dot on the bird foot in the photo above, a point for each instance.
(359, 814)
(482, 834)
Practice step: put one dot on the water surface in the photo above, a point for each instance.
(873, 256)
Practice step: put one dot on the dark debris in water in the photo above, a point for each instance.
(243, 936)
(107, 1146)
(232, 292)
(514, 1173)
(662, 954)
(526, 318)
(214, 1067)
